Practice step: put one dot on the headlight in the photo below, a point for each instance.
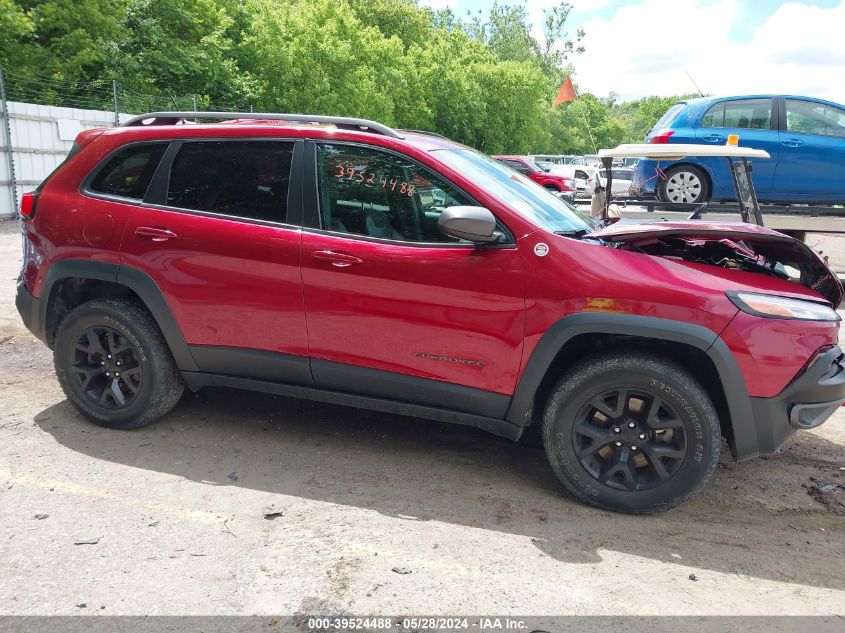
(775, 307)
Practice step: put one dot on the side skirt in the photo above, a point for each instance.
(503, 428)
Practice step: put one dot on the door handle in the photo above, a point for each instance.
(154, 233)
(713, 138)
(791, 142)
(337, 258)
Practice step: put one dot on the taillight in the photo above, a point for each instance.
(661, 137)
(28, 201)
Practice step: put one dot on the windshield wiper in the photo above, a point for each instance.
(576, 233)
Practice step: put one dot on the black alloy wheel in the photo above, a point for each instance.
(114, 364)
(629, 439)
(106, 367)
(631, 430)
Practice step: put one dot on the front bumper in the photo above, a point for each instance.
(29, 308)
(805, 403)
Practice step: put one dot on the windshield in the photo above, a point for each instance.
(521, 194)
(534, 166)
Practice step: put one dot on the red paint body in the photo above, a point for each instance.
(280, 288)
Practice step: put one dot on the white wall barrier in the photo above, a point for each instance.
(41, 138)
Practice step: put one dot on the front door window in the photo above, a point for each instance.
(367, 192)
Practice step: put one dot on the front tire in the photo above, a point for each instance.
(114, 365)
(631, 432)
(684, 183)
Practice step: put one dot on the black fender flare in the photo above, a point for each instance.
(732, 382)
(135, 280)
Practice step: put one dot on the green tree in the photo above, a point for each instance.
(54, 49)
(558, 45)
(171, 49)
(318, 57)
(639, 116)
(15, 28)
(485, 81)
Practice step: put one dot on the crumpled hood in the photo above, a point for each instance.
(756, 246)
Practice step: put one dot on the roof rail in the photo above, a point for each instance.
(173, 118)
(426, 132)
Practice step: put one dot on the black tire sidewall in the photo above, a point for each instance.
(102, 314)
(693, 407)
(705, 183)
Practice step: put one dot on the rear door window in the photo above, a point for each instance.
(744, 114)
(242, 179)
(129, 172)
(809, 117)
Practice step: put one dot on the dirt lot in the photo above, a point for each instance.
(173, 519)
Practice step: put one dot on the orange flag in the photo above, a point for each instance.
(566, 93)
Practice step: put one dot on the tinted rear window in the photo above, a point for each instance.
(245, 179)
(670, 115)
(129, 172)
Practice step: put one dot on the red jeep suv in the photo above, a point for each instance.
(344, 261)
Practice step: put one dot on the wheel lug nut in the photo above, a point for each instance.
(117, 373)
(631, 425)
(616, 429)
(633, 448)
(618, 443)
(102, 362)
(118, 363)
(641, 436)
(108, 356)
(107, 373)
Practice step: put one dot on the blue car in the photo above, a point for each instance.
(805, 138)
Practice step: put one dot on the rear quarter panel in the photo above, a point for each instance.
(69, 225)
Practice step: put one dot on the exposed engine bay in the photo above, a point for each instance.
(746, 247)
(724, 253)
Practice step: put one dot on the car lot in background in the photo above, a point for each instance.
(805, 138)
(623, 181)
(528, 167)
(583, 177)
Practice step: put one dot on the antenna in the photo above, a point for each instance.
(693, 83)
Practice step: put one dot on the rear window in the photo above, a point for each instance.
(129, 172)
(670, 115)
(244, 179)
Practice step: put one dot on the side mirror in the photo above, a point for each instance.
(474, 224)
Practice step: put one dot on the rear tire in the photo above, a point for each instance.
(114, 365)
(684, 183)
(631, 432)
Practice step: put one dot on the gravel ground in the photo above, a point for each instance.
(241, 503)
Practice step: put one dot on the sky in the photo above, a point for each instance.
(729, 47)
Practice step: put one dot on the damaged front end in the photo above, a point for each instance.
(738, 246)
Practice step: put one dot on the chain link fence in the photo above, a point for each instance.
(41, 115)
